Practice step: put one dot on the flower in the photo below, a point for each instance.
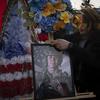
(77, 21)
(59, 25)
(60, 6)
(49, 15)
(48, 9)
(42, 37)
(65, 17)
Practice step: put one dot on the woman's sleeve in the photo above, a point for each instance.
(90, 56)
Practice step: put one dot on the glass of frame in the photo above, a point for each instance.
(52, 73)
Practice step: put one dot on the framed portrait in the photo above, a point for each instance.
(52, 73)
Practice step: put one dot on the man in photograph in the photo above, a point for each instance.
(55, 81)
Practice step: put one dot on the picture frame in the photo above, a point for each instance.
(52, 73)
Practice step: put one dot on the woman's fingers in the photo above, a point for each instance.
(53, 42)
(60, 43)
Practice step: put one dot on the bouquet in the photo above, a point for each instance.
(47, 17)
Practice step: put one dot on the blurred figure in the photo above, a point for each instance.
(55, 82)
(87, 53)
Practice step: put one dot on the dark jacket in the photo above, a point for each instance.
(86, 63)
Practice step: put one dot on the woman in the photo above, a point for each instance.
(87, 55)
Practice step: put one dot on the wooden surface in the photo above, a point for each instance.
(79, 96)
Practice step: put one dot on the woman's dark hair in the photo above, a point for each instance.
(90, 15)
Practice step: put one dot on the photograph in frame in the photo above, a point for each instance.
(52, 73)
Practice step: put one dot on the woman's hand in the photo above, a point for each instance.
(60, 44)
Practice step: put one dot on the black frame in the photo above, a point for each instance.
(41, 77)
